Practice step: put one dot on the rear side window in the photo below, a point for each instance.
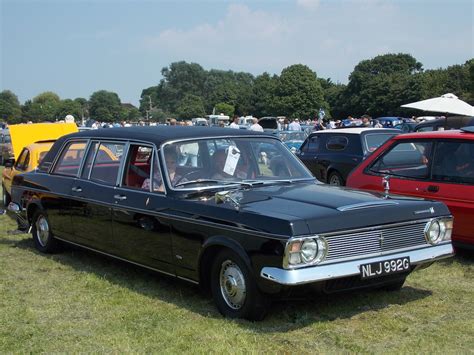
(454, 162)
(138, 167)
(70, 159)
(107, 163)
(23, 160)
(373, 141)
(337, 143)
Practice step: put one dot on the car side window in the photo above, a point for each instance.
(70, 159)
(405, 159)
(138, 167)
(337, 143)
(23, 160)
(312, 145)
(107, 163)
(454, 162)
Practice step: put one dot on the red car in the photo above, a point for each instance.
(432, 165)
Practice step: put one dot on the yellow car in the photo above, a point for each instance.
(28, 160)
(28, 154)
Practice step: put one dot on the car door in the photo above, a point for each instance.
(20, 166)
(94, 195)
(140, 233)
(309, 154)
(452, 182)
(339, 154)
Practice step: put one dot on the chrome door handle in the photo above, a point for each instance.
(120, 197)
(76, 189)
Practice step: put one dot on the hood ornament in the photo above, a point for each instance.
(229, 196)
(386, 184)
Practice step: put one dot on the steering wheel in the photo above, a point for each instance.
(191, 175)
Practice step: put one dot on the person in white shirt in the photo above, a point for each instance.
(295, 125)
(256, 127)
(235, 123)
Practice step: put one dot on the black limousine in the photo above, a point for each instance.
(201, 204)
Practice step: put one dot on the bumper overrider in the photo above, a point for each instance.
(15, 211)
(418, 257)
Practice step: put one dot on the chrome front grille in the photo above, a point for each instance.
(375, 241)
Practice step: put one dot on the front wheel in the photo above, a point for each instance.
(42, 235)
(234, 289)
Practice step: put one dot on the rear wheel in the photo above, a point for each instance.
(6, 198)
(42, 235)
(234, 289)
(335, 179)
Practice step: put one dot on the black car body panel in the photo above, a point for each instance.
(181, 230)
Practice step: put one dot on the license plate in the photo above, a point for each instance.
(385, 267)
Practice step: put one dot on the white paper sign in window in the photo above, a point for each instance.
(233, 156)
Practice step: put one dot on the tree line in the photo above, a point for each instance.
(376, 86)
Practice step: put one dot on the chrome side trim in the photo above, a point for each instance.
(363, 205)
(351, 268)
(126, 260)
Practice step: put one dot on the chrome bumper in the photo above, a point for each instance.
(350, 268)
(15, 210)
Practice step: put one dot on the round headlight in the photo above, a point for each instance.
(435, 231)
(309, 250)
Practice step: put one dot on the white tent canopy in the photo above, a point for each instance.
(447, 103)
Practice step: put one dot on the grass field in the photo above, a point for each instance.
(78, 301)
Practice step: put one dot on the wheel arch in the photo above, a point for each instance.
(209, 251)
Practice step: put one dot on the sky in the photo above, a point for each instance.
(77, 47)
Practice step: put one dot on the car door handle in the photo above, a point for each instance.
(120, 197)
(432, 188)
(76, 189)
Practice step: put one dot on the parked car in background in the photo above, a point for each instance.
(331, 154)
(28, 160)
(431, 165)
(292, 139)
(6, 151)
(224, 220)
(406, 127)
(390, 122)
(441, 124)
(269, 124)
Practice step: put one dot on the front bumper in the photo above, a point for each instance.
(317, 273)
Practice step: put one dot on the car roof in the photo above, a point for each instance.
(452, 134)
(357, 130)
(159, 134)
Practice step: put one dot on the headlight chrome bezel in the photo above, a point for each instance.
(294, 249)
(444, 226)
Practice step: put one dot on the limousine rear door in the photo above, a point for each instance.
(94, 194)
(141, 234)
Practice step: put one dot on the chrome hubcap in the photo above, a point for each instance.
(232, 283)
(42, 230)
(334, 180)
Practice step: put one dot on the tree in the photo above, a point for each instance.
(225, 108)
(191, 106)
(69, 107)
(380, 85)
(105, 106)
(42, 108)
(10, 109)
(263, 95)
(298, 92)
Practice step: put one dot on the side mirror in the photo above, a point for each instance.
(9, 163)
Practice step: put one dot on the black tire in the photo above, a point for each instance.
(42, 235)
(238, 296)
(395, 285)
(335, 179)
(6, 198)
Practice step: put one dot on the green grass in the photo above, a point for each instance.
(77, 301)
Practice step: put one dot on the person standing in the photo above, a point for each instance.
(255, 126)
(295, 125)
(235, 123)
(366, 121)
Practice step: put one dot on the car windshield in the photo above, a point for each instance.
(375, 140)
(248, 161)
(292, 136)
